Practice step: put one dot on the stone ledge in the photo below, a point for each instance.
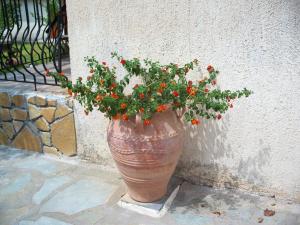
(26, 121)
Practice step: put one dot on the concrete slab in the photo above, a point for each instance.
(43, 221)
(39, 190)
(82, 195)
(48, 187)
(154, 209)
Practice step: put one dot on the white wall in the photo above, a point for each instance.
(253, 43)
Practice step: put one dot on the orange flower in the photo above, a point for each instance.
(70, 91)
(195, 122)
(147, 122)
(163, 85)
(191, 91)
(61, 74)
(142, 110)
(161, 108)
(114, 95)
(99, 98)
(116, 117)
(101, 82)
(123, 105)
(125, 117)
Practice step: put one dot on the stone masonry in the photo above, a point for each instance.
(37, 123)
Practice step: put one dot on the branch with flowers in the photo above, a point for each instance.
(162, 87)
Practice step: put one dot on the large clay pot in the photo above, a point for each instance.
(146, 155)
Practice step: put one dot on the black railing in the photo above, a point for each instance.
(33, 39)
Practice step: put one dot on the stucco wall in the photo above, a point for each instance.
(253, 43)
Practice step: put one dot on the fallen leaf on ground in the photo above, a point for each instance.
(268, 212)
(216, 213)
(272, 196)
(273, 204)
(260, 220)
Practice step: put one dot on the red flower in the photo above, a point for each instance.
(114, 95)
(163, 85)
(136, 86)
(113, 85)
(101, 82)
(206, 90)
(161, 108)
(142, 110)
(175, 93)
(123, 61)
(147, 122)
(160, 90)
(213, 82)
(195, 122)
(141, 95)
(190, 83)
(123, 105)
(125, 117)
(219, 116)
(104, 63)
(210, 68)
(188, 89)
(61, 74)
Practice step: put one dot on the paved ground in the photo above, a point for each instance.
(38, 190)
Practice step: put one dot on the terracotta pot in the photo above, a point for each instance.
(146, 155)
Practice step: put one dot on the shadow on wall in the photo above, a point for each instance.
(205, 150)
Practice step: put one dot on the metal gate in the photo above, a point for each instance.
(34, 38)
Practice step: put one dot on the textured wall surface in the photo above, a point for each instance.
(253, 43)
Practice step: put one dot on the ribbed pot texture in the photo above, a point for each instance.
(146, 156)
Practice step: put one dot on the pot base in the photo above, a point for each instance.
(154, 209)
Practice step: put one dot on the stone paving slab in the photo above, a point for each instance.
(39, 190)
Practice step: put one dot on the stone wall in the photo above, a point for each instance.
(37, 123)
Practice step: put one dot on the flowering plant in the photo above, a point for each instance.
(162, 87)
